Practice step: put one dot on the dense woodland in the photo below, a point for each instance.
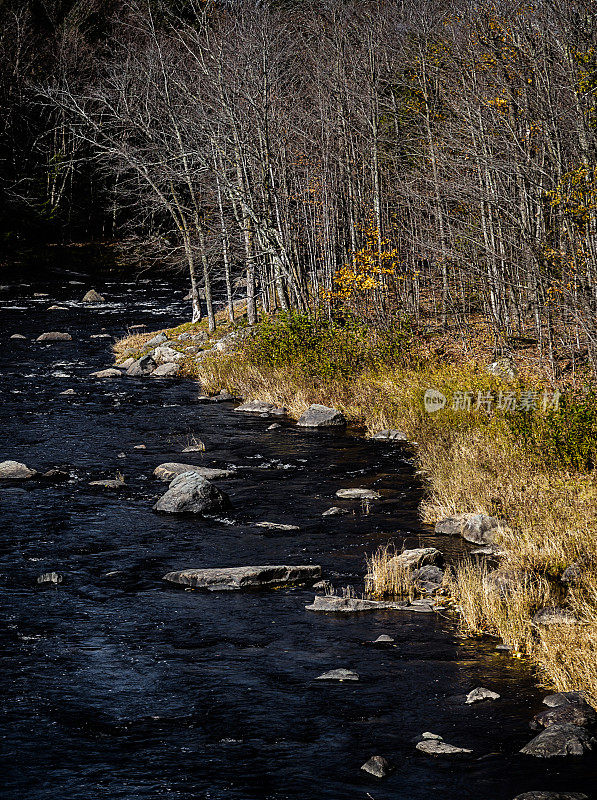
(421, 157)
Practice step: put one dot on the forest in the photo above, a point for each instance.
(428, 158)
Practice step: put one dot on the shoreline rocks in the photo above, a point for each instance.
(236, 578)
(260, 407)
(318, 416)
(349, 605)
(560, 741)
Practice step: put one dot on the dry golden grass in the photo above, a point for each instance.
(472, 465)
(386, 577)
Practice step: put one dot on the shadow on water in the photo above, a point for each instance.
(119, 686)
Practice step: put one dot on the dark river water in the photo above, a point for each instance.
(117, 685)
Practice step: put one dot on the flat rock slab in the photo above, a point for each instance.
(480, 694)
(334, 511)
(191, 493)
(358, 494)
(437, 747)
(171, 469)
(277, 526)
(15, 471)
(559, 741)
(339, 675)
(349, 605)
(235, 578)
(259, 407)
(377, 766)
(580, 714)
(318, 416)
(107, 373)
(54, 336)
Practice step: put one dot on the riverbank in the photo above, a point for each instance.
(508, 444)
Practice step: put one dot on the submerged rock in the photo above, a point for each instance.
(107, 373)
(551, 796)
(318, 416)
(559, 741)
(277, 526)
(191, 493)
(580, 714)
(110, 483)
(339, 675)
(57, 308)
(54, 336)
(349, 605)
(390, 436)
(377, 766)
(15, 471)
(93, 297)
(235, 578)
(479, 694)
(171, 469)
(358, 494)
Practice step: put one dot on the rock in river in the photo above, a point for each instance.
(14, 470)
(143, 366)
(277, 526)
(234, 578)
(54, 336)
(334, 511)
(580, 714)
(349, 605)
(377, 766)
(49, 577)
(339, 675)
(551, 796)
(358, 494)
(107, 373)
(563, 698)
(259, 407)
(191, 493)
(93, 297)
(110, 483)
(318, 416)
(559, 741)
(171, 470)
(437, 747)
(479, 694)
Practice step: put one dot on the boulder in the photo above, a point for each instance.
(128, 362)
(235, 578)
(428, 579)
(334, 511)
(318, 416)
(107, 373)
(437, 747)
(504, 582)
(479, 529)
(358, 494)
(559, 741)
(259, 407)
(554, 615)
(168, 370)
(348, 605)
(15, 471)
(339, 675)
(277, 526)
(419, 557)
(551, 796)
(191, 493)
(580, 714)
(167, 472)
(143, 366)
(480, 694)
(166, 355)
(54, 336)
(377, 766)
(565, 698)
(503, 368)
(451, 526)
(49, 577)
(390, 436)
(158, 339)
(93, 297)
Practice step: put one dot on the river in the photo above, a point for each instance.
(117, 685)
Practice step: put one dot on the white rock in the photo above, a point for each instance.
(339, 675)
(358, 494)
(14, 470)
(481, 694)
